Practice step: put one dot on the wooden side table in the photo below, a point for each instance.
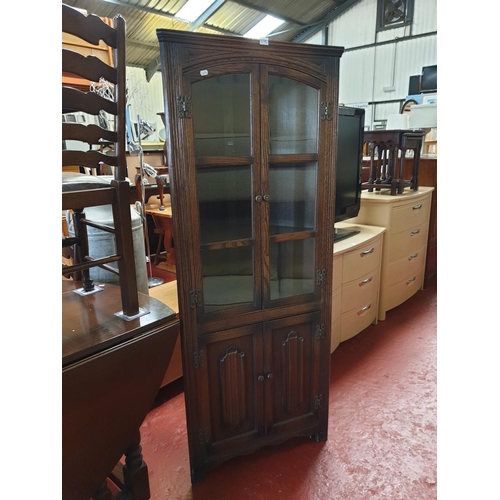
(387, 157)
(163, 226)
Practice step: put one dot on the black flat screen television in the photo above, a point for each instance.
(351, 125)
(429, 82)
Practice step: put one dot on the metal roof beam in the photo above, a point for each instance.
(152, 68)
(206, 15)
(142, 42)
(249, 5)
(313, 28)
(143, 9)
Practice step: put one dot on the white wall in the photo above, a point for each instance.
(367, 65)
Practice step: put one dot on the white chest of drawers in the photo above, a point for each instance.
(406, 219)
(356, 281)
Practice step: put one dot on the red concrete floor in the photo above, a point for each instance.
(382, 427)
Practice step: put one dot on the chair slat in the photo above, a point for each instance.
(90, 67)
(91, 198)
(89, 102)
(91, 134)
(90, 159)
(90, 28)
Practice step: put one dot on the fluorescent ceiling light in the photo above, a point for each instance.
(264, 27)
(193, 9)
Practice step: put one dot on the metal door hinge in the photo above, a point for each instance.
(184, 106)
(198, 359)
(320, 332)
(194, 298)
(326, 110)
(317, 401)
(320, 276)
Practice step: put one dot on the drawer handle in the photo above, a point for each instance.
(364, 282)
(417, 207)
(414, 256)
(413, 233)
(363, 309)
(411, 280)
(366, 252)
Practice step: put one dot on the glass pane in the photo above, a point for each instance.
(227, 277)
(225, 203)
(293, 117)
(292, 268)
(292, 197)
(221, 116)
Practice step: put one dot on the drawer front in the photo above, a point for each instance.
(411, 214)
(336, 304)
(337, 271)
(407, 242)
(355, 321)
(360, 292)
(396, 294)
(410, 264)
(335, 340)
(361, 261)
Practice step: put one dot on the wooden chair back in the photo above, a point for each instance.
(80, 190)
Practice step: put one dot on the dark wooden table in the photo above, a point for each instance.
(111, 372)
(387, 157)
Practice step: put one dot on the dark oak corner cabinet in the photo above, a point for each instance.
(251, 152)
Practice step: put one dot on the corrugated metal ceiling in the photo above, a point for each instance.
(233, 17)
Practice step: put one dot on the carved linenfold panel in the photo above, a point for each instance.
(292, 357)
(232, 383)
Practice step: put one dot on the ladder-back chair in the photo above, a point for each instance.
(80, 191)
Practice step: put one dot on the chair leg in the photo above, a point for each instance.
(125, 248)
(82, 247)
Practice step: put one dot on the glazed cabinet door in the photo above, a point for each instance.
(256, 151)
(291, 129)
(226, 146)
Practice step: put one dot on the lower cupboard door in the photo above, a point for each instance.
(230, 390)
(292, 371)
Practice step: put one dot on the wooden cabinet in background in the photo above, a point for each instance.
(406, 219)
(427, 177)
(252, 180)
